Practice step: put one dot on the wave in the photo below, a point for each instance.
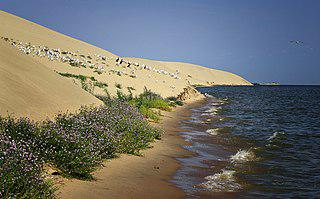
(212, 110)
(275, 135)
(243, 156)
(224, 181)
(209, 114)
(208, 95)
(212, 131)
(218, 103)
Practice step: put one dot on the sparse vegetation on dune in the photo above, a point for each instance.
(84, 83)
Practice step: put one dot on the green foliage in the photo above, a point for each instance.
(80, 77)
(119, 86)
(122, 96)
(84, 84)
(148, 94)
(198, 85)
(145, 102)
(100, 84)
(147, 112)
(174, 101)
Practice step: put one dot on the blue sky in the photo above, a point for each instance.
(247, 37)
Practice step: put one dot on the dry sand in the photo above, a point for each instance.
(30, 86)
(43, 92)
(140, 177)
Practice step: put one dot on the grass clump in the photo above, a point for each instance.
(149, 100)
(146, 102)
(83, 80)
(80, 77)
(174, 101)
(100, 84)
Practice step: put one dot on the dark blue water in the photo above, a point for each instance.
(254, 142)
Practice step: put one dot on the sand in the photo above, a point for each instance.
(28, 88)
(140, 177)
(31, 86)
(42, 92)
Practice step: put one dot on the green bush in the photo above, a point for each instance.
(145, 102)
(174, 101)
(148, 113)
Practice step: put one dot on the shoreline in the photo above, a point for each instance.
(147, 176)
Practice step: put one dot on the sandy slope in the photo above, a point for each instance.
(41, 91)
(29, 88)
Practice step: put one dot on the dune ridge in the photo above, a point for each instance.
(32, 85)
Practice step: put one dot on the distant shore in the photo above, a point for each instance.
(140, 177)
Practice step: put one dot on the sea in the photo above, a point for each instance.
(253, 142)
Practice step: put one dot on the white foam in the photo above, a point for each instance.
(209, 114)
(217, 103)
(212, 131)
(212, 110)
(223, 181)
(243, 156)
(208, 95)
(275, 135)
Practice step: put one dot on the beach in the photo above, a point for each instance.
(80, 105)
(159, 99)
(140, 177)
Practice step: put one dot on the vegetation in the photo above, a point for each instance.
(80, 77)
(146, 102)
(75, 144)
(119, 86)
(84, 84)
(20, 166)
(174, 101)
(198, 85)
(100, 84)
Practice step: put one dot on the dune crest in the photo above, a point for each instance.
(43, 71)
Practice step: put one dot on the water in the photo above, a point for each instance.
(253, 142)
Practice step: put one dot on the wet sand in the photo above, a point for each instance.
(140, 177)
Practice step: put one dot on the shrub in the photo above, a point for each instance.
(148, 94)
(147, 112)
(77, 143)
(20, 166)
(174, 101)
(121, 96)
(145, 102)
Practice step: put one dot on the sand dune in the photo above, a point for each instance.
(31, 85)
(28, 88)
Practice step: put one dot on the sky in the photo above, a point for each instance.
(248, 37)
